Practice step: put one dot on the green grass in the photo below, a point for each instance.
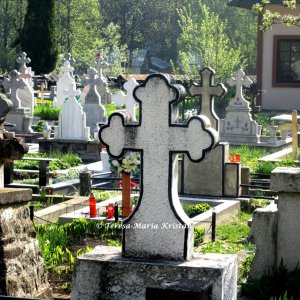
(231, 238)
(66, 161)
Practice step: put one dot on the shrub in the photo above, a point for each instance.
(277, 283)
(47, 112)
(198, 235)
(197, 209)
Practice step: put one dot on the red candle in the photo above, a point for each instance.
(238, 158)
(110, 211)
(232, 158)
(93, 207)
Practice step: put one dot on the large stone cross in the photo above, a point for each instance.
(12, 84)
(239, 81)
(207, 90)
(158, 227)
(23, 60)
(120, 98)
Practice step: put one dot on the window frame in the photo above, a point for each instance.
(276, 40)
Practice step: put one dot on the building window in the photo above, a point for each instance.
(286, 61)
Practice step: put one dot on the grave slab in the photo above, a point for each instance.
(113, 277)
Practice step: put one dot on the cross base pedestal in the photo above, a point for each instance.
(114, 277)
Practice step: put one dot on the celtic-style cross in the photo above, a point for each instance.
(120, 98)
(158, 227)
(239, 81)
(12, 84)
(100, 64)
(23, 60)
(207, 90)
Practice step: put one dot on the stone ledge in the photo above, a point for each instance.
(285, 179)
(11, 195)
(113, 277)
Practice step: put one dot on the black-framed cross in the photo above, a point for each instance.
(158, 227)
(207, 90)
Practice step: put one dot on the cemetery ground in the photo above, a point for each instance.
(61, 244)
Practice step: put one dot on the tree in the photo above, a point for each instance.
(204, 36)
(38, 37)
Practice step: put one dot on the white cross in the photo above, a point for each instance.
(12, 84)
(67, 70)
(100, 64)
(207, 90)
(68, 57)
(159, 140)
(120, 98)
(239, 81)
(23, 60)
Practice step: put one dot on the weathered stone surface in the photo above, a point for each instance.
(285, 179)
(264, 235)
(22, 268)
(111, 276)
(232, 179)
(238, 126)
(10, 195)
(158, 228)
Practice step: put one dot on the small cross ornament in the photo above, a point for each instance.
(23, 60)
(120, 98)
(158, 227)
(207, 90)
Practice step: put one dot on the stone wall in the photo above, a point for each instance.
(22, 269)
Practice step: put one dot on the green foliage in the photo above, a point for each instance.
(277, 283)
(65, 161)
(110, 108)
(38, 36)
(205, 42)
(198, 235)
(47, 111)
(250, 205)
(39, 127)
(104, 195)
(231, 237)
(197, 209)
(244, 269)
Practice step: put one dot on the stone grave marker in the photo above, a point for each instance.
(238, 127)
(72, 119)
(64, 82)
(120, 98)
(95, 111)
(207, 90)
(27, 93)
(12, 84)
(157, 249)
(159, 142)
(223, 178)
(68, 57)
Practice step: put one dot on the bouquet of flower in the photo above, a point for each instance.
(129, 163)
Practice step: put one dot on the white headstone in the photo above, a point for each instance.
(120, 98)
(26, 95)
(72, 119)
(11, 86)
(207, 90)
(238, 126)
(95, 111)
(158, 227)
(64, 83)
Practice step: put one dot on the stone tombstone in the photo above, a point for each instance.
(157, 258)
(27, 93)
(207, 90)
(120, 98)
(159, 142)
(238, 126)
(64, 83)
(68, 57)
(12, 84)
(223, 178)
(72, 119)
(95, 111)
